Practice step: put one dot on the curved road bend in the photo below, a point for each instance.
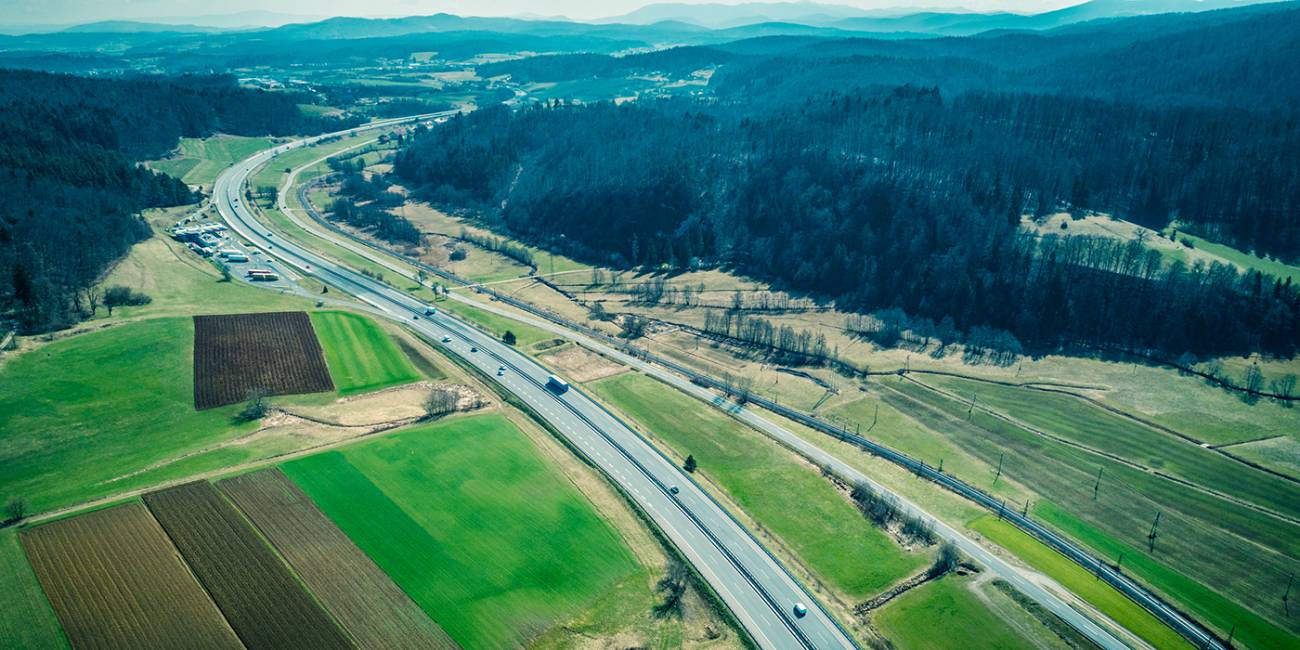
(753, 585)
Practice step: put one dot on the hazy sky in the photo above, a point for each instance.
(78, 11)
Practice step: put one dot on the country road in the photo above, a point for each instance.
(757, 589)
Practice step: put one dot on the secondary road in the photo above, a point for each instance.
(746, 577)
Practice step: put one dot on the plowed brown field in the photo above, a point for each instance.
(262, 600)
(116, 582)
(376, 612)
(276, 353)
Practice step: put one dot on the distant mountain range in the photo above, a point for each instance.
(939, 21)
(668, 21)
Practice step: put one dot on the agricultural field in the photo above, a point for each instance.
(115, 581)
(464, 516)
(27, 621)
(361, 356)
(198, 161)
(375, 612)
(1199, 533)
(781, 492)
(276, 353)
(263, 601)
(1082, 423)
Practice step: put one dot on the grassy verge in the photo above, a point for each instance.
(1253, 631)
(200, 160)
(780, 492)
(526, 336)
(944, 614)
(27, 621)
(1080, 582)
(494, 544)
(361, 356)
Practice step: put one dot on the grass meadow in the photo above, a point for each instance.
(26, 621)
(493, 543)
(945, 614)
(361, 356)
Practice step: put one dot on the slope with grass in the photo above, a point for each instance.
(80, 411)
(466, 518)
(946, 614)
(783, 494)
(1080, 582)
(361, 355)
(26, 620)
(198, 161)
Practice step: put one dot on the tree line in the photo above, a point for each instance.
(900, 198)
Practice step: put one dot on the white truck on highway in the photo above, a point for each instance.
(556, 384)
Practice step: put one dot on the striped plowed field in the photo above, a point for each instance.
(255, 590)
(374, 610)
(275, 353)
(115, 581)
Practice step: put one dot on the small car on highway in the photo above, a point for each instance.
(446, 339)
(473, 348)
(800, 610)
(674, 489)
(501, 370)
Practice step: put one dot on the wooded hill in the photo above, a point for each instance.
(893, 198)
(71, 188)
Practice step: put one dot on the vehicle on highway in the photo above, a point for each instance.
(416, 317)
(473, 348)
(501, 371)
(429, 311)
(556, 384)
(446, 339)
(800, 610)
(674, 489)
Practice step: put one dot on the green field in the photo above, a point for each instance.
(201, 160)
(1244, 259)
(945, 614)
(1252, 630)
(781, 493)
(464, 515)
(1088, 425)
(1080, 582)
(26, 619)
(80, 411)
(361, 356)
(1201, 534)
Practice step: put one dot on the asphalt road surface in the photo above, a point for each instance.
(757, 589)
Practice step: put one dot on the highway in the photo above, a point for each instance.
(758, 590)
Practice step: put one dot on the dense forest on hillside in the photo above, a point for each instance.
(71, 188)
(899, 198)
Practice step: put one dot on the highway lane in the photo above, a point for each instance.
(747, 578)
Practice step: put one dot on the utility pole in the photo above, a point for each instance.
(1231, 634)
(1025, 511)
(1119, 563)
(1097, 485)
(1151, 537)
(999, 474)
(940, 465)
(1286, 596)
(875, 417)
(971, 410)
(1002, 508)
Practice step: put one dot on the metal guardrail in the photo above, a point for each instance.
(1157, 606)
